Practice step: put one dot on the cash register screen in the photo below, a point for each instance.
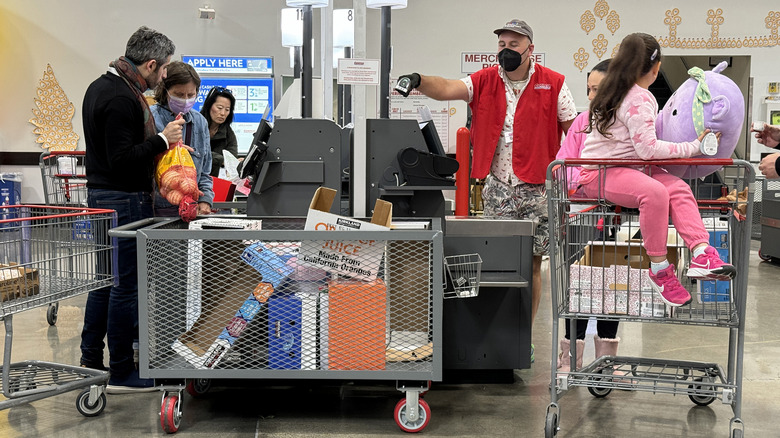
(431, 136)
(258, 150)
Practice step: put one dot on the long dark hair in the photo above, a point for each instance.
(179, 73)
(214, 93)
(638, 53)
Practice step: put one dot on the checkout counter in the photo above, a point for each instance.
(488, 336)
(485, 337)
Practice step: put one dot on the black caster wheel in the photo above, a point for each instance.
(90, 410)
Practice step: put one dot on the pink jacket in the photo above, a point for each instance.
(572, 148)
(633, 135)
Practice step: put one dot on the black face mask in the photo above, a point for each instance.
(510, 60)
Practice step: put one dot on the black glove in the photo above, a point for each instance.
(407, 83)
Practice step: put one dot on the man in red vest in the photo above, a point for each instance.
(519, 111)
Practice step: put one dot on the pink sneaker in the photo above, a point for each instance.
(668, 286)
(709, 266)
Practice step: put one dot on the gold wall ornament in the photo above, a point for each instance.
(53, 115)
(613, 21)
(715, 19)
(601, 9)
(587, 22)
(615, 50)
(600, 45)
(581, 58)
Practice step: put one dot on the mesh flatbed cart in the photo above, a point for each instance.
(47, 254)
(599, 269)
(284, 303)
(64, 184)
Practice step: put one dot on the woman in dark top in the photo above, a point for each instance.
(218, 109)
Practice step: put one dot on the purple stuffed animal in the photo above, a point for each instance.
(709, 100)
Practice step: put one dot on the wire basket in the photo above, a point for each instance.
(463, 273)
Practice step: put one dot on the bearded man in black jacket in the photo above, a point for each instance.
(121, 144)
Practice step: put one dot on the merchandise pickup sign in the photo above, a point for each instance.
(472, 62)
(358, 72)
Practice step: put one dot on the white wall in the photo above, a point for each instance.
(79, 38)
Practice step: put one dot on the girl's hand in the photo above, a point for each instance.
(707, 131)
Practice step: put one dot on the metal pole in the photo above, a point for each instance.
(326, 60)
(297, 62)
(348, 94)
(384, 76)
(306, 85)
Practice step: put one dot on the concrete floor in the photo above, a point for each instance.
(255, 408)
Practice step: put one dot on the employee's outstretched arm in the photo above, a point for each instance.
(436, 87)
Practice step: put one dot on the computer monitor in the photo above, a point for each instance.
(258, 150)
(428, 129)
(432, 140)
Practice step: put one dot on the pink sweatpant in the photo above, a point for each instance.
(656, 195)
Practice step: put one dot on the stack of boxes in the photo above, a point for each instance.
(611, 279)
(716, 291)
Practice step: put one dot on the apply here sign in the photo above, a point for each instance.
(231, 64)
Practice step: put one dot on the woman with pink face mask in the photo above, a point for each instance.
(177, 94)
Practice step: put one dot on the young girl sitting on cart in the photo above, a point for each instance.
(622, 125)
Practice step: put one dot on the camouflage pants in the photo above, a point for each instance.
(524, 201)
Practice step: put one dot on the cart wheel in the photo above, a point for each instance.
(736, 433)
(16, 384)
(551, 425)
(763, 257)
(51, 313)
(170, 414)
(423, 417)
(90, 410)
(700, 400)
(198, 387)
(599, 392)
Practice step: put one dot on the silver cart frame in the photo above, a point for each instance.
(161, 240)
(579, 225)
(60, 252)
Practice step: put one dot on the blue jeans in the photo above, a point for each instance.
(112, 312)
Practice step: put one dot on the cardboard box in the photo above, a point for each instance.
(408, 276)
(597, 287)
(18, 282)
(203, 344)
(195, 257)
(224, 223)
(359, 259)
(357, 321)
(630, 253)
(716, 291)
(292, 331)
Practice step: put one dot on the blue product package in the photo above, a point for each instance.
(284, 332)
(10, 194)
(270, 265)
(715, 291)
(250, 308)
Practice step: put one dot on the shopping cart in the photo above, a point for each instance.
(64, 184)
(221, 303)
(47, 254)
(602, 273)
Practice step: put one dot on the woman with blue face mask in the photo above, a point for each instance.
(177, 94)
